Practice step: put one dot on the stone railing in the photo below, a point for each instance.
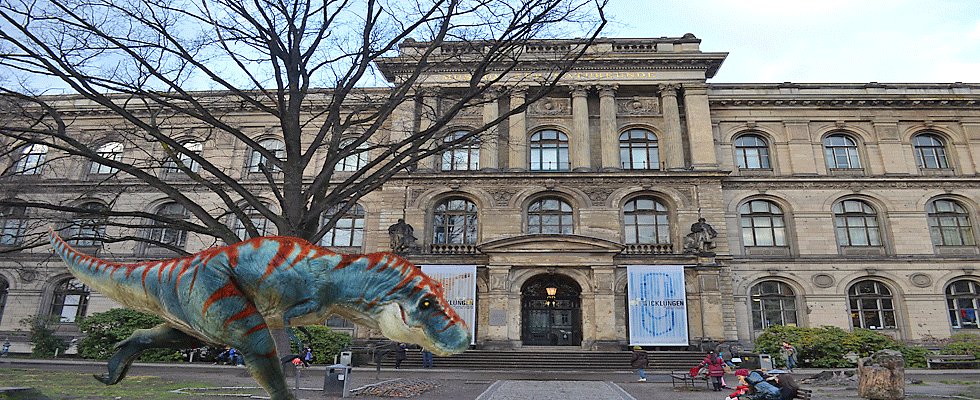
(453, 249)
(653, 248)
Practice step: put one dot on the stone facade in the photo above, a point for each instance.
(834, 204)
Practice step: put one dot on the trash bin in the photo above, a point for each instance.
(346, 358)
(765, 362)
(749, 361)
(337, 380)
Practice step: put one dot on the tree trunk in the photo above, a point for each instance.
(881, 380)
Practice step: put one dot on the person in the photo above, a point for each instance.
(788, 354)
(426, 359)
(307, 356)
(762, 389)
(716, 369)
(640, 361)
(400, 355)
(787, 386)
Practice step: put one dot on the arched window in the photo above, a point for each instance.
(762, 224)
(549, 151)
(185, 159)
(871, 305)
(13, 225)
(88, 225)
(646, 221)
(70, 300)
(278, 149)
(31, 160)
(857, 224)
(949, 224)
(464, 156)
(773, 303)
(549, 215)
(349, 229)
(454, 221)
(752, 152)
(930, 152)
(638, 149)
(166, 233)
(261, 223)
(357, 159)
(4, 288)
(109, 151)
(963, 301)
(842, 152)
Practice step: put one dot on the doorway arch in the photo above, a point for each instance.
(551, 311)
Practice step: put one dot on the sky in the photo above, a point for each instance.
(825, 41)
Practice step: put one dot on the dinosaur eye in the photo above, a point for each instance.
(426, 303)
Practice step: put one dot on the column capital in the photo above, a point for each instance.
(668, 89)
(580, 90)
(608, 90)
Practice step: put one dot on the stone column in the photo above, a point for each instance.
(517, 145)
(580, 154)
(698, 113)
(604, 277)
(608, 139)
(673, 148)
(491, 138)
(428, 113)
(500, 315)
(403, 119)
(803, 159)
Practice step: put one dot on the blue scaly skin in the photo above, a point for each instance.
(233, 296)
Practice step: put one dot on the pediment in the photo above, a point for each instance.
(552, 243)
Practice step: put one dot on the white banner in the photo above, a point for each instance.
(657, 305)
(459, 287)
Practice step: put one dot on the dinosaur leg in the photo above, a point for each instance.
(161, 336)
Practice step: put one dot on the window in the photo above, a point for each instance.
(454, 221)
(13, 225)
(549, 215)
(856, 223)
(70, 300)
(930, 152)
(842, 152)
(88, 225)
(32, 157)
(278, 149)
(355, 161)
(949, 224)
(185, 159)
(165, 233)
(751, 152)
(349, 229)
(638, 150)
(871, 306)
(464, 156)
(110, 151)
(549, 151)
(773, 303)
(646, 221)
(261, 223)
(963, 301)
(762, 224)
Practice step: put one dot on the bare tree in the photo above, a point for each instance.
(153, 70)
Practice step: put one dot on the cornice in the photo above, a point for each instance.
(833, 182)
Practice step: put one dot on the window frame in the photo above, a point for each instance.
(194, 146)
(159, 231)
(762, 153)
(453, 158)
(13, 225)
(443, 233)
(633, 224)
(256, 158)
(111, 151)
(60, 295)
(540, 147)
(565, 218)
(87, 228)
(776, 231)
(954, 304)
(264, 226)
(880, 294)
(758, 301)
(846, 233)
(352, 222)
(941, 233)
(31, 160)
(849, 148)
(355, 161)
(630, 145)
(937, 148)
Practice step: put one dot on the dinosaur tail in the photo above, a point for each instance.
(86, 268)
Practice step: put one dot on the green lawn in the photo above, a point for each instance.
(61, 385)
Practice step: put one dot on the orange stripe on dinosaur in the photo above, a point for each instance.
(228, 290)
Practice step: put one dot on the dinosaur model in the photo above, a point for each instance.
(233, 296)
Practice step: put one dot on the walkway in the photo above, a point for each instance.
(566, 390)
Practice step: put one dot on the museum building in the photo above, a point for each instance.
(798, 204)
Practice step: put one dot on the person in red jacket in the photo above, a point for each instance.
(716, 369)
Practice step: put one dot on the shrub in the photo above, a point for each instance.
(962, 343)
(326, 343)
(826, 346)
(103, 330)
(46, 344)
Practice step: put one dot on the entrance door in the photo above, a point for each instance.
(551, 310)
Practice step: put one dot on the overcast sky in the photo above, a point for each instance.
(840, 41)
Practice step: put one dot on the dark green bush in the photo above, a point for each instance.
(326, 343)
(825, 347)
(962, 343)
(46, 344)
(103, 330)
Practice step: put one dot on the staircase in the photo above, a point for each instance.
(550, 358)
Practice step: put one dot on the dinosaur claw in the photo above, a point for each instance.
(104, 378)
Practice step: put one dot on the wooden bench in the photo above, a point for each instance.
(685, 378)
(951, 360)
(804, 394)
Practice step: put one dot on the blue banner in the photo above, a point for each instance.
(459, 288)
(657, 305)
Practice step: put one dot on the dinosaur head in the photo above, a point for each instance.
(426, 320)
